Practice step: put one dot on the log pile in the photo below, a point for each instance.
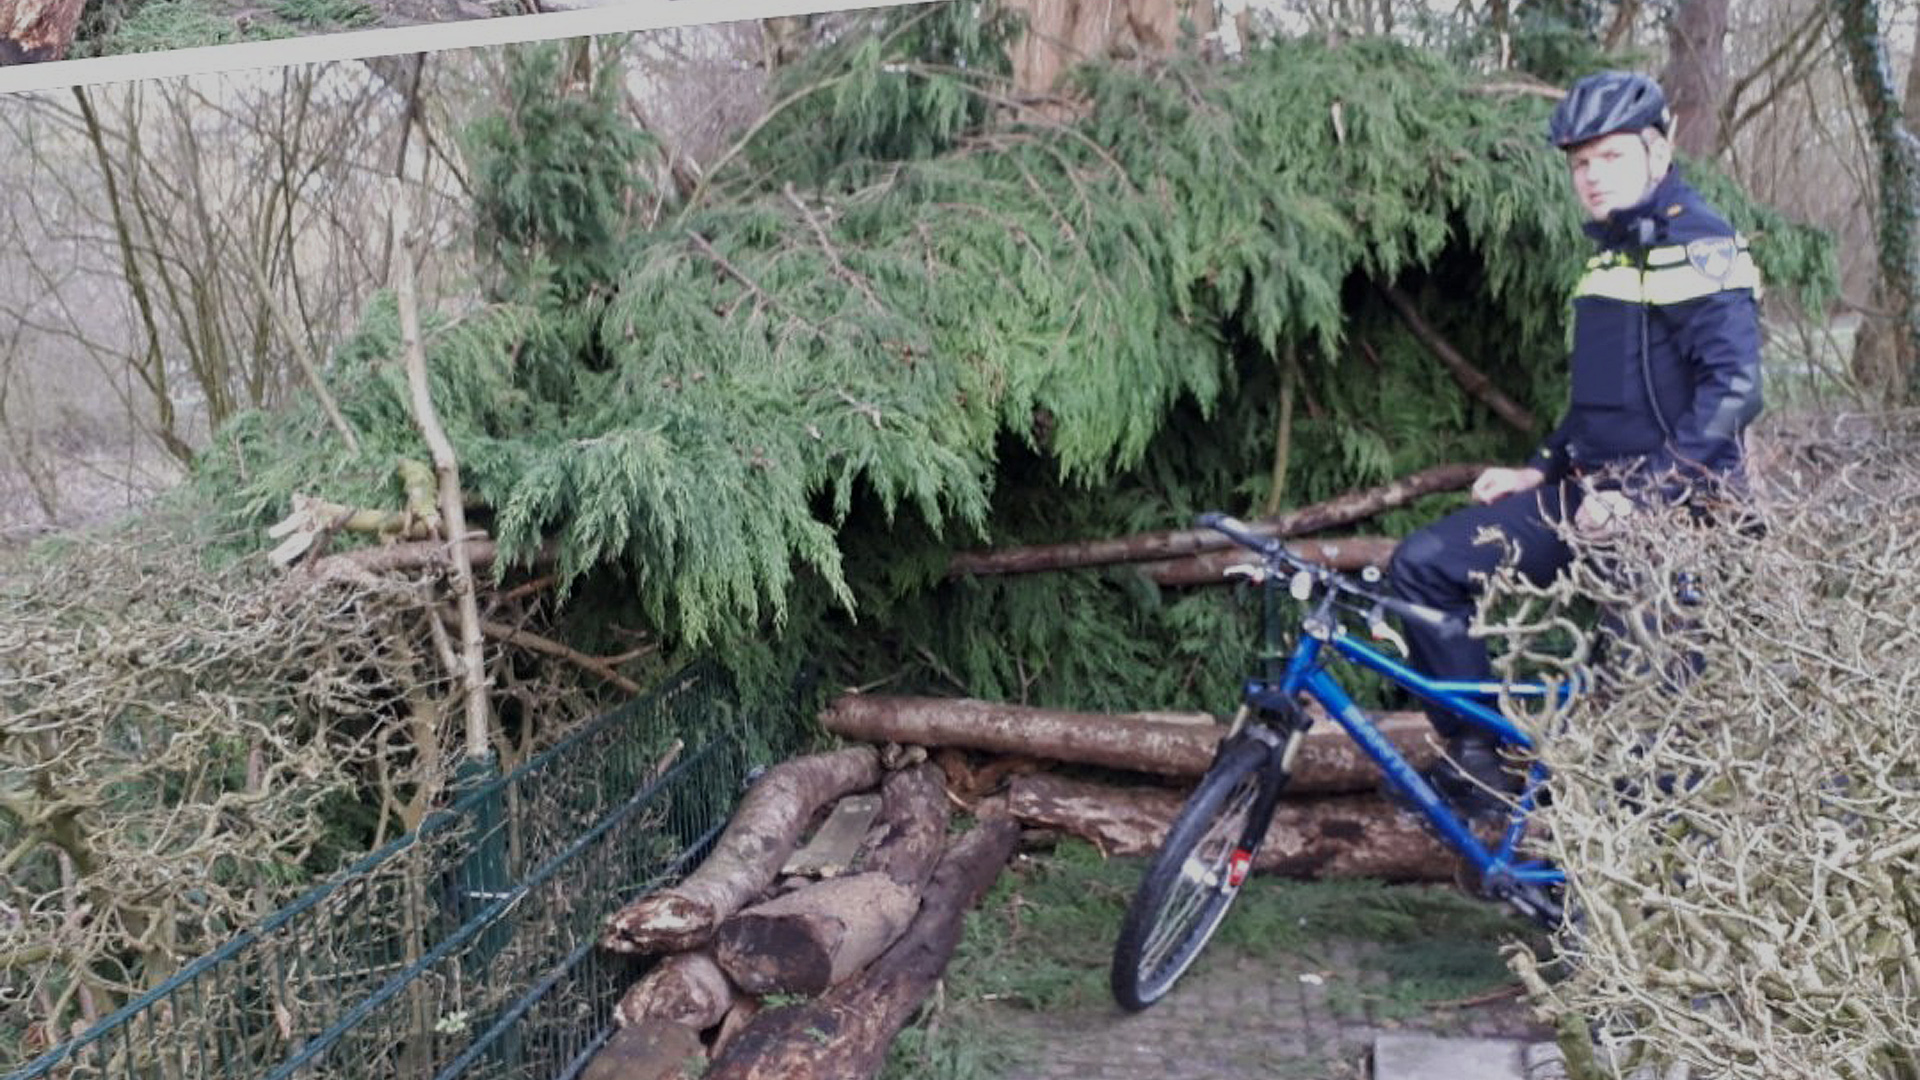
(777, 960)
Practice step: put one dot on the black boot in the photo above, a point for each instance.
(1473, 774)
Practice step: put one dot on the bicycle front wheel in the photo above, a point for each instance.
(1195, 875)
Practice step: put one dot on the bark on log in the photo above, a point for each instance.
(744, 1010)
(36, 30)
(808, 940)
(905, 843)
(1344, 510)
(1350, 553)
(688, 988)
(748, 855)
(1328, 761)
(845, 1032)
(1338, 836)
(649, 1050)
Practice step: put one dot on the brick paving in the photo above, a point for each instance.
(1236, 1017)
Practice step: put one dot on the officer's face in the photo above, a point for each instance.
(1615, 171)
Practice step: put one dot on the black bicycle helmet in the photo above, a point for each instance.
(1605, 103)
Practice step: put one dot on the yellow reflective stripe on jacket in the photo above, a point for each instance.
(1671, 276)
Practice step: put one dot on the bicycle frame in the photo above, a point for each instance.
(1306, 672)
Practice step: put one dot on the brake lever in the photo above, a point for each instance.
(1255, 573)
(1381, 630)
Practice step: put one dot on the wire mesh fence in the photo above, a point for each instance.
(465, 948)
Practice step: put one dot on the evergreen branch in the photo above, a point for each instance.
(760, 295)
(832, 253)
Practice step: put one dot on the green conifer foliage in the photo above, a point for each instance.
(553, 170)
(797, 399)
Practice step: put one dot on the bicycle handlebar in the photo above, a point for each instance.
(1275, 551)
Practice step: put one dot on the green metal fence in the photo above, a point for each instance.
(464, 949)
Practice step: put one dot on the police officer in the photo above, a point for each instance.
(1666, 375)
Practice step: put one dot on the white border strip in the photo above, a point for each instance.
(622, 15)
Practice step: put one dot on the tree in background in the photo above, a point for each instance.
(1889, 360)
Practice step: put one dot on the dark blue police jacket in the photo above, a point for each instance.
(1666, 345)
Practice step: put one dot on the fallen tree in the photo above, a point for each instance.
(844, 1033)
(747, 856)
(807, 940)
(1335, 836)
(1328, 761)
(687, 988)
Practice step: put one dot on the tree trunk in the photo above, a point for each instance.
(1696, 76)
(36, 30)
(687, 988)
(906, 842)
(1328, 760)
(1351, 553)
(1894, 368)
(1340, 836)
(844, 1033)
(649, 1050)
(1344, 510)
(1063, 34)
(808, 940)
(748, 856)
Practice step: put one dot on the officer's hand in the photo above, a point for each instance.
(1498, 483)
(1601, 513)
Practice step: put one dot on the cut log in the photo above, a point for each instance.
(36, 30)
(806, 941)
(1328, 761)
(906, 841)
(687, 988)
(844, 1033)
(1344, 510)
(1349, 554)
(649, 1050)
(748, 855)
(1340, 836)
(744, 1009)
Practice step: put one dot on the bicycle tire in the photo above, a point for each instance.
(1196, 874)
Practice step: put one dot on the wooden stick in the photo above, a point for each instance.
(453, 511)
(1471, 379)
(1143, 547)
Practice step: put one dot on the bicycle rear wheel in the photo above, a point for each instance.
(1195, 875)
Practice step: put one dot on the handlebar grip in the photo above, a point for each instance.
(1238, 530)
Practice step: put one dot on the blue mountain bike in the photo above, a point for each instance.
(1209, 850)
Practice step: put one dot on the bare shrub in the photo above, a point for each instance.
(1737, 801)
(179, 746)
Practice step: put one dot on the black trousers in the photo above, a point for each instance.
(1441, 566)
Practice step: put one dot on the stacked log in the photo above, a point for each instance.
(779, 962)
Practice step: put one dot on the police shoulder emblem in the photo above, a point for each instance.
(1713, 257)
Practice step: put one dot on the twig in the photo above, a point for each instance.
(826, 244)
(526, 589)
(733, 271)
(1471, 379)
(510, 635)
